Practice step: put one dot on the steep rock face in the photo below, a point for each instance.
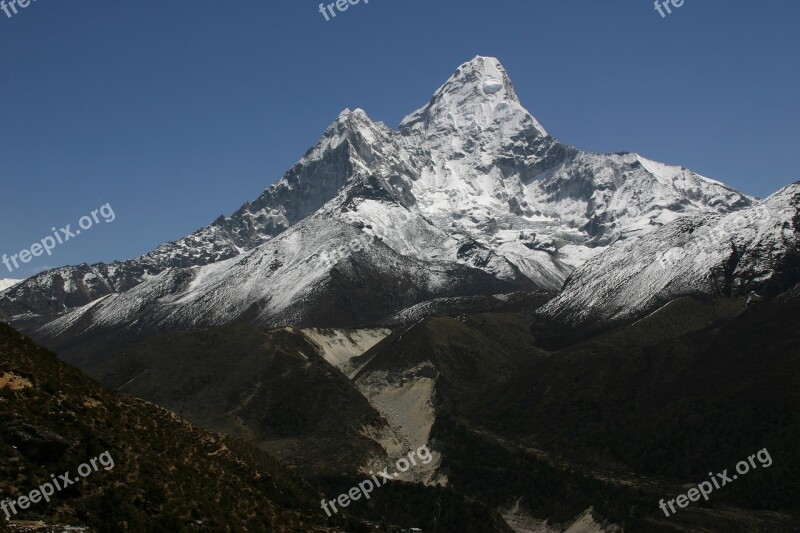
(752, 250)
(471, 181)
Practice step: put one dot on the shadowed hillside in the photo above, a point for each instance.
(168, 474)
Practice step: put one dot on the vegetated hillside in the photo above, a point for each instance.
(169, 476)
(465, 358)
(617, 421)
(698, 378)
(272, 388)
(695, 387)
(275, 389)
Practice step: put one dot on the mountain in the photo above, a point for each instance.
(469, 197)
(573, 335)
(6, 283)
(752, 251)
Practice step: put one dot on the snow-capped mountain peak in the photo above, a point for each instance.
(350, 121)
(478, 97)
(470, 185)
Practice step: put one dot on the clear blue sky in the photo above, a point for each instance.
(178, 111)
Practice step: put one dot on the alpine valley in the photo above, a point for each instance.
(574, 335)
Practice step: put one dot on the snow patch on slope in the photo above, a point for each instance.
(8, 283)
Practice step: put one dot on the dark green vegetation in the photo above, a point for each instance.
(271, 388)
(472, 356)
(275, 390)
(168, 474)
(525, 412)
(674, 395)
(622, 419)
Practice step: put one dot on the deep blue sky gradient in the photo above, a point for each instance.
(178, 111)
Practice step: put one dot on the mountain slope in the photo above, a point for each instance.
(289, 280)
(167, 475)
(754, 250)
(272, 388)
(616, 422)
(696, 386)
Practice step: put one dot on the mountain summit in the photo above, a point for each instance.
(478, 97)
